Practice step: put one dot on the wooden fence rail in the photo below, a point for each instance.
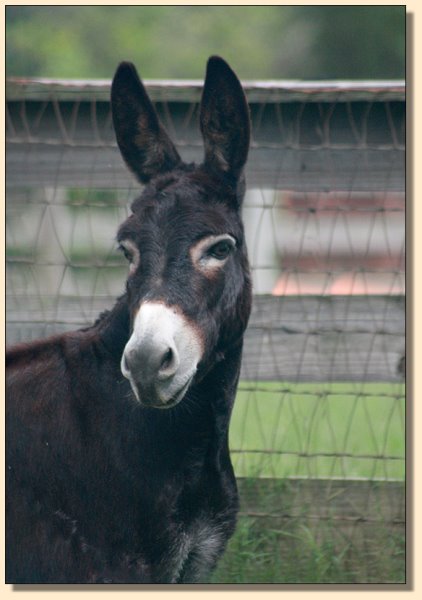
(303, 338)
(311, 136)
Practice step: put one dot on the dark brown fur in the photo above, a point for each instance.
(99, 488)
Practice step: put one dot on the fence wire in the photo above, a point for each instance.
(322, 391)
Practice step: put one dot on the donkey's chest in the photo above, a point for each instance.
(191, 554)
(186, 548)
(175, 537)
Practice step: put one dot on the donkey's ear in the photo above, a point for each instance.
(224, 119)
(143, 142)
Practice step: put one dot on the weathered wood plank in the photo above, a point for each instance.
(189, 90)
(345, 500)
(325, 339)
(293, 124)
(299, 145)
(303, 338)
(35, 165)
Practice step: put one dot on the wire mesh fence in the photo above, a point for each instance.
(321, 403)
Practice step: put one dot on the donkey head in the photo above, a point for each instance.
(188, 288)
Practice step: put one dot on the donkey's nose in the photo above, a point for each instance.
(161, 356)
(152, 361)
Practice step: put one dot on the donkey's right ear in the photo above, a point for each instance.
(143, 141)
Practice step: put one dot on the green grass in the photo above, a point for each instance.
(282, 430)
(347, 430)
(295, 553)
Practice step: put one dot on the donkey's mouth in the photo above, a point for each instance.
(157, 396)
(178, 396)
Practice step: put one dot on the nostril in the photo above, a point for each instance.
(169, 364)
(167, 360)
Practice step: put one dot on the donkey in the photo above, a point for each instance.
(118, 467)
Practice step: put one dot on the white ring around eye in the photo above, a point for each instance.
(204, 261)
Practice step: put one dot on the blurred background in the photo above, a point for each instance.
(318, 429)
(260, 42)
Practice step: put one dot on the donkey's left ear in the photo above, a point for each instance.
(143, 141)
(224, 119)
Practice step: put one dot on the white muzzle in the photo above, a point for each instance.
(162, 355)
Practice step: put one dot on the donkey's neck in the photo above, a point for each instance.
(113, 328)
(216, 393)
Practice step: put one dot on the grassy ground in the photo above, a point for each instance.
(346, 431)
(299, 554)
(343, 430)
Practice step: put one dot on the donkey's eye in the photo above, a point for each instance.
(126, 253)
(221, 249)
(209, 253)
(131, 253)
